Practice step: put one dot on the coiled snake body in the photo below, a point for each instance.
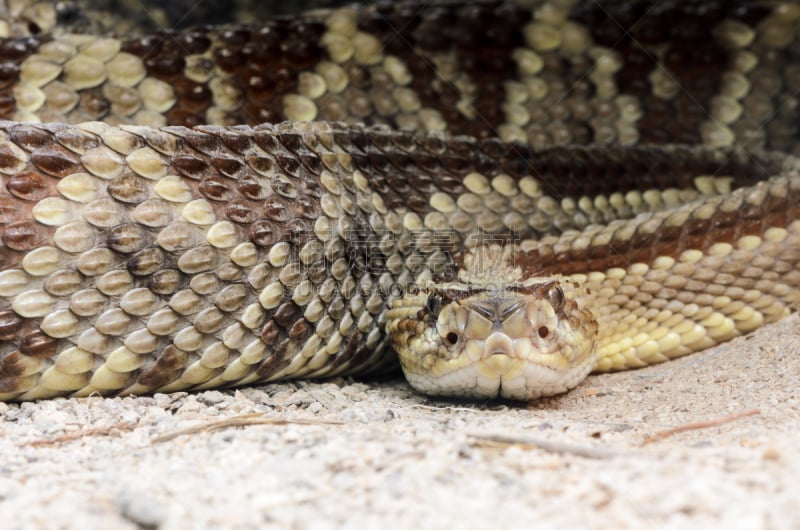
(519, 193)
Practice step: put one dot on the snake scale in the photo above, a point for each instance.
(508, 194)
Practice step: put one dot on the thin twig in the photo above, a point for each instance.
(660, 435)
(547, 445)
(255, 418)
(105, 430)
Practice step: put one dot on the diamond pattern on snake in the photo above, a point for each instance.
(499, 196)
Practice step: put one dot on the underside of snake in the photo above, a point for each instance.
(504, 195)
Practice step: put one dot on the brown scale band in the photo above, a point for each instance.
(591, 74)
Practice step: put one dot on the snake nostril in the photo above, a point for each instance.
(452, 337)
(544, 332)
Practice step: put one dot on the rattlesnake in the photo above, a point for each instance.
(424, 169)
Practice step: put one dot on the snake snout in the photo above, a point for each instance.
(498, 343)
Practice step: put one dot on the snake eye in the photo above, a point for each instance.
(434, 304)
(452, 338)
(556, 296)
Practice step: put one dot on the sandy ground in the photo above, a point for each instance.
(376, 454)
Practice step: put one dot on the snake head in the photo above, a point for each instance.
(517, 341)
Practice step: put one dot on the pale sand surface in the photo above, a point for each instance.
(394, 459)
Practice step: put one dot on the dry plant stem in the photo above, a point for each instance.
(660, 435)
(237, 421)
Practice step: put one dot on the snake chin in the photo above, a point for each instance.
(499, 377)
(519, 341)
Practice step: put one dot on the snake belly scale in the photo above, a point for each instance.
(508, 195)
